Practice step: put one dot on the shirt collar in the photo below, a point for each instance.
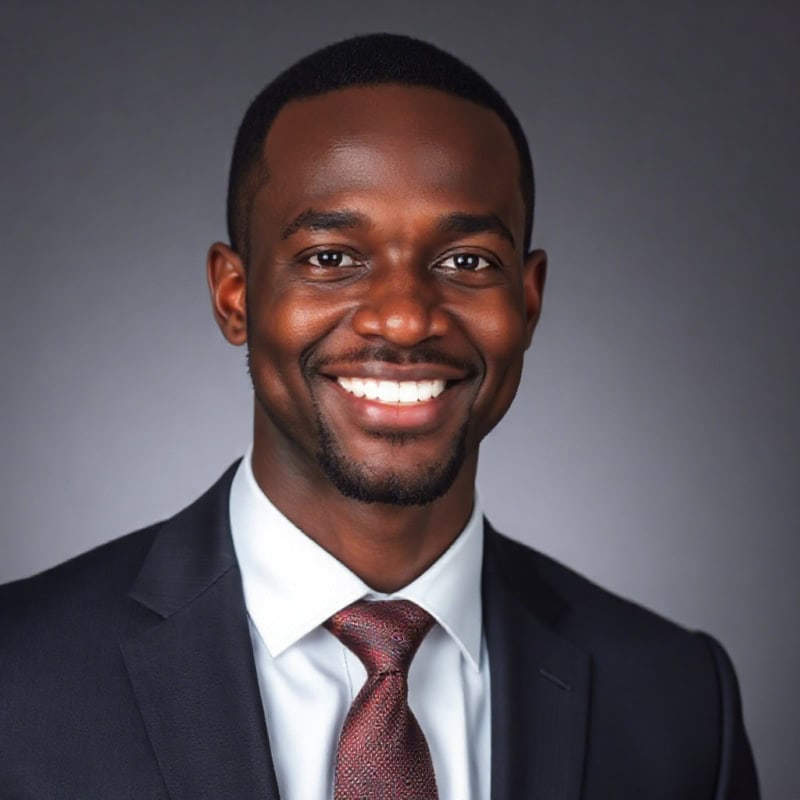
(292, 585)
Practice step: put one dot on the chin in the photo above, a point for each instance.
(369, 483)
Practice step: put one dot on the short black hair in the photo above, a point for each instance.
(373, 59)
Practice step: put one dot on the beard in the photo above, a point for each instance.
(360, 482)
(357, 480)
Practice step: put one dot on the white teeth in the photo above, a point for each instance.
(408, 392)
(393, 391)
(371, 390)
(388, 391)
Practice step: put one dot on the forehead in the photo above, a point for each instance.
(385, 140)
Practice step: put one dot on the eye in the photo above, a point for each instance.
(469, 262)
(331, 258)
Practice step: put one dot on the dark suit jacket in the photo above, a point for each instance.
(128, 673)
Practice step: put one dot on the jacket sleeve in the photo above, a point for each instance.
(736, 777)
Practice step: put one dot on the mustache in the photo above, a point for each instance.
(423, 354)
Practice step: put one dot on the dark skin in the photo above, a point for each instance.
(386, 245)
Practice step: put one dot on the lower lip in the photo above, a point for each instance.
(422, 416)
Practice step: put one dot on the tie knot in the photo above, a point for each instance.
(383, 634)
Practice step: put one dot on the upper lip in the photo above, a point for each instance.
(380, 370)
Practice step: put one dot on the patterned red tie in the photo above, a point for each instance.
(382, 751)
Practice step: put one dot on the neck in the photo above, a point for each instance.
(387, 546)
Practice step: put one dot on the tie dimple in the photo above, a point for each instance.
(382, 753)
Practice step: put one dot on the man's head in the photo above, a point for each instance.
(389, 293)
(370, 60)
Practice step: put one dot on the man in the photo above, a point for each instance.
(334, 617)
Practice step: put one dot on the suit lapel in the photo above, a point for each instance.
(540, 682)
(195, 681)
(193, 672)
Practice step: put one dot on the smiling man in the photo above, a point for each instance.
(335, 618)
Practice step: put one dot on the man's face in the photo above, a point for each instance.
(389, 302)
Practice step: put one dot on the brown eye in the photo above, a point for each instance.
(469, 262)
(331, 258)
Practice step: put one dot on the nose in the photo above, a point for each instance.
(404, 309)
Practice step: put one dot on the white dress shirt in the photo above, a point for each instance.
(308, 679)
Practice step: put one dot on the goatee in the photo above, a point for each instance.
(356, 480)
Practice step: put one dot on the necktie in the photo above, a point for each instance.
(382, 752)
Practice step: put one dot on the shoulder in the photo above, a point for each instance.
(664, 695)
(74, 598)
(583, 610)
(97, 582)
(61, 670)
(638, 657)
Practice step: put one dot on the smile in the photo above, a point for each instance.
(394, 392)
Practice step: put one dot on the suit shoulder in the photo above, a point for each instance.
(89, 579)
(590, 612)
(643, 666)
(89, 593)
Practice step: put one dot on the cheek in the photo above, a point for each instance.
(275, 313)
(502, 341)
(498, 324)
(283, 326)
(291, 326)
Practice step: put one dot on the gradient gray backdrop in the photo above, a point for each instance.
(654, 444)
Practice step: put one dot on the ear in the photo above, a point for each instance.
(534, 272)
(227, 284)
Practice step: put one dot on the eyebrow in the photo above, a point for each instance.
(311, 220)
(456, 222)
(461, 222)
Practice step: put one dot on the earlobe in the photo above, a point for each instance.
(534, 274)
(227, 285)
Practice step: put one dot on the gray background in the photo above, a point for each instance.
(654, 444)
